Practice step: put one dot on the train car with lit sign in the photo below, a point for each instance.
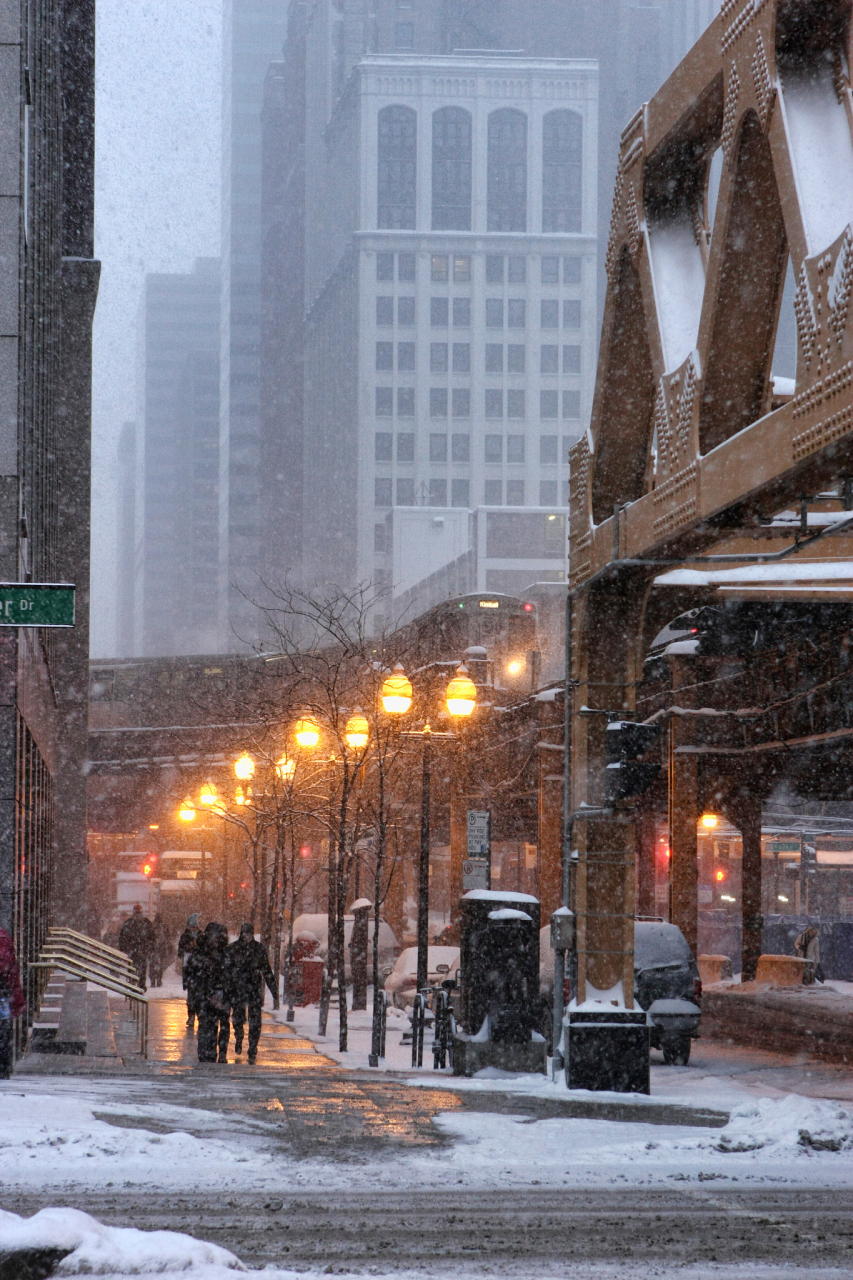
(504, 626)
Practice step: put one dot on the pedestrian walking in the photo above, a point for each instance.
(161, 952)
(12, 1001)
(248, 968)
(136, 940)
(807, 945)
(186, 946)
(206, 972)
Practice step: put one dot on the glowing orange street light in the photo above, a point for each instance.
(357, 732)
(285, 768)
(186, 813)
(244, 768)
(709, 821)
(306, 731)
(461, 694)
(397, 692)
(207, 796)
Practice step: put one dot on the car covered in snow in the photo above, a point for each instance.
(402, 983)
(667, 986)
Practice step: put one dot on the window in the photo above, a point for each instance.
(494, 404)
(515, 448)
(439, 267)
(494, 357)
(438, 402)
(382, 493)
(406, 312)
(384, 266)
(406, 266)
(451, 169)
(494, 268)
(507, 171)
(384, 311)
(404, 35)
(462, 313)
(550, 313)
(437, 493)
(572, 313)
(547, 404)
(516, 313)
(494, 313)
(462, 269)
(398, 132)
(515, 493)
(516, 269)
(384, 402)
(461, 448)
(547, 493)
(379, 531)
(462, 357)
(515, 358)
(384, 355)
(571, 359)
(494, 449)
(548, 450)
(461, 402)
(405, 402)
(405, 493)
(551, 270)
(515, 404)
(438, 313)
(566, 492)
(459, 493)
(571, 404)
(406, 446)
(549, 359)
(438, 448)
(571, 270)
(406, 356)
(438, 357)
(493, 493)
(562, 156)
(382, 446)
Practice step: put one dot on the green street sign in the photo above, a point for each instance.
(36, 604)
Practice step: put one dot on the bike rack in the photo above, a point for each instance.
(444, 1027)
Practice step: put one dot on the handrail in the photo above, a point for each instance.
(92, 944)
(63, 952)
(76, 948)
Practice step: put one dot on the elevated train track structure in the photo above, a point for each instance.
(696, 452)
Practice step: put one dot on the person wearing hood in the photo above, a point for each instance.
(247, 969)
(206, 974)
(12, 1001)
(186, 946)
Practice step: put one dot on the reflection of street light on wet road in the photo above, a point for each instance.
(460, 699)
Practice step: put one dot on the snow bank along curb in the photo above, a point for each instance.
(90, 1248)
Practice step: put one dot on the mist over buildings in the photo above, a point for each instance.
(378, 373)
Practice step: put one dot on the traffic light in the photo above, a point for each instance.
(626, 743)
(149, 865)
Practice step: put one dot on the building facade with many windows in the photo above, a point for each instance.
(450, 347)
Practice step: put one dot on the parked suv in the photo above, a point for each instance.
(666, 985)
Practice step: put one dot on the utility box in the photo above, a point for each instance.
(608, 1050)
(499, 960)
(562, 930)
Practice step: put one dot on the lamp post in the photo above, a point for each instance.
(460, 700)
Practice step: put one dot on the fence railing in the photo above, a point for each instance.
(67, 951)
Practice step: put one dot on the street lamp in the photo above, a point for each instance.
(207, 796)
(306, 731)
(357, 732)
(186, 813)
(244, 768)
(285, 768)
(460, 699)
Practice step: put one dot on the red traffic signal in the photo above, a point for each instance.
(149, 864)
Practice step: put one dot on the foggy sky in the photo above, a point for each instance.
(157, 207)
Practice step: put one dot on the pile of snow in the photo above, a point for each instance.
(796, 1123)
(94, 1249)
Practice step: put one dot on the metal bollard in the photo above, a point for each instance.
(441, 1041)
(379, 1042)
(418, 1021)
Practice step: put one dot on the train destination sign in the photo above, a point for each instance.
(36, 604)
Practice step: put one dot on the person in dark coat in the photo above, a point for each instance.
(206, 973)
(248, 968)
(136, 939)
(161, 952)
(186, 946)
(12, 1001)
